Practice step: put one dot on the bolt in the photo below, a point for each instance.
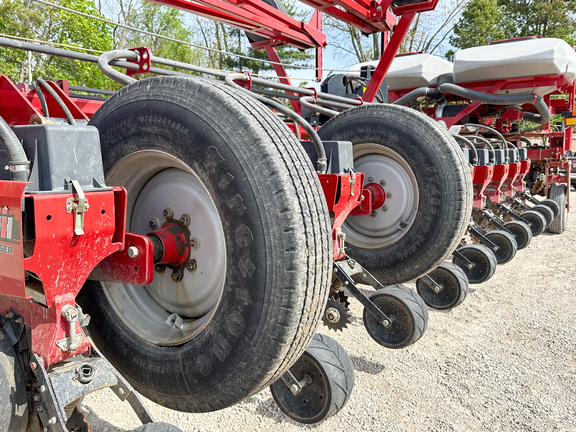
(294, 388)
(342, 236)
(185, 219)
(195, 242)
(33, 365)
(168, 213)
(20, 320)
(133, 252)
(382, 183)
(384, 208)
(177, 275)
(70, 313)
(36, 398)
(159, 268)
(191, 266)
(379, 8)
(373, 214)
(332, 315)
(389, 195)
(121, 392)
(52, 420)
(370, 179)
(154, 223)
(43, 388)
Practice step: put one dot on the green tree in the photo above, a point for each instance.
(480, 23)
(32, 20)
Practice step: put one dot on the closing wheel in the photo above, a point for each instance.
(507, 246)
(545, 211)
(552, 204)
(483, 262)
(326, 375)
(427, 186)
(249, 306)
(452, 281)
(406, 310)
(558, 194)
(537, 221)
(13, 395)
(521, 232)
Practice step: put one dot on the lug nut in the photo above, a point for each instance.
(177, 275)
(185, 219)
(154, 223)
(373, 214)
(191, 266)
(389, 195)
(384, 208)
(382, 183)
(159, 268)
(195, 242)
(168, 213)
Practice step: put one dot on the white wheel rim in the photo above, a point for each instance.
(393, 220)
(156, 180)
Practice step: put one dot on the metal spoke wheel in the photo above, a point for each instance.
(557, 193)
(321, 384)
(483, 262)
(407, 312)
(229, 322)
(537, 221)
(545, 211)
(521, 232)
(443, 288)
(507, 246)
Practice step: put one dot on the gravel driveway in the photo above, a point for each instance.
(505, 360)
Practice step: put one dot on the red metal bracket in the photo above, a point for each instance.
(143, 62)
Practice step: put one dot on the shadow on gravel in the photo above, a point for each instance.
(98, 424)
(367, 366)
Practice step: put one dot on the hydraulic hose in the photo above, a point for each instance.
(42, 99)
(421, 92)
(19, 163)
(58, 100)
(322, 162)
(470, 145)
(542, 117)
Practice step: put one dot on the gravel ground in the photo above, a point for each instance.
(504, 360)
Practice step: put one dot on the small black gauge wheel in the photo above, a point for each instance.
(482, 261)
(507, 246)
(451, 282)
(521, 232)
(407, 312)
(536, 220)
(326, 376)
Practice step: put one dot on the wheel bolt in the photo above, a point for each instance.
(177, 275)
(185, 219)
(382, 183)
(191, 266)
(370, 179)
(389, 195)
(373, 214)
(168, 213)
(195, 242)
(159, 268)
(154, 223)
(384, 208)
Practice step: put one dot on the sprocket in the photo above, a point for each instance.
(337, 313)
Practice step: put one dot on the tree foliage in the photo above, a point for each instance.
(28, 19)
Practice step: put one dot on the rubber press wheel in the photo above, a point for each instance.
(537, 221)
(261, 235)
(545, 211)
(507, 246)
(327, 375)
(453, 282)
(521, 232)
(552, 204)
(483, 262)
(407, 312)
(558, 194)
(427, 185)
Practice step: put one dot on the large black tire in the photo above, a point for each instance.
(454, 285)
(507, 246)
(558, 193)
(13, 396)
(483, 259)
(276, 4)
(330, 385)
(430, 202)
(264, 243)
(521, 232)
